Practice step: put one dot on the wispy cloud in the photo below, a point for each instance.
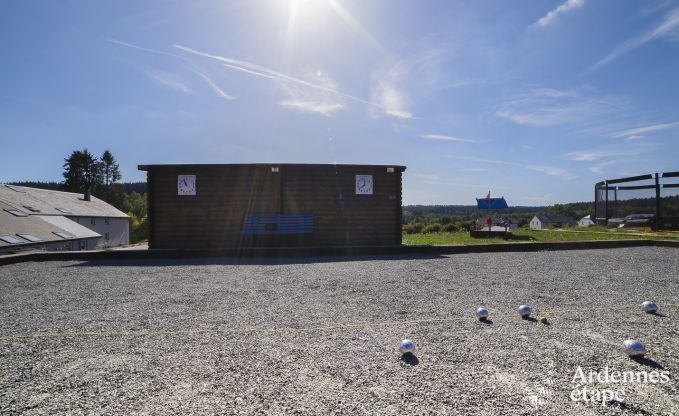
(427, 176)
(214, 86)
(140, 48)
(599, 167)
(473, 170)
(551, 16)
(590, 155)
(665, 29)
(447, 138)
(313, 107)
(546, 169)
(168, 80)
(310, 100)
(283, 79)
(220, 92)
(552, 171)
(481, 160)
(387, 94)
(638, 133)
(549, 107)
(251, 72)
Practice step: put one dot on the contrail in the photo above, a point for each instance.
(207, 79)
(271, 74)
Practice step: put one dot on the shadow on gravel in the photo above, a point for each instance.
(486, 321)
(629, 407)
(410, 359)
(261, 261)
(648, 362)
(529, 319)
(658, 314)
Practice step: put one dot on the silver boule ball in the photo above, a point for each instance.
(649, 307)
(407, 346)
(525, 310)
(634, 348)
(482, 313)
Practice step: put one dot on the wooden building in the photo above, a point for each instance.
(273, 205)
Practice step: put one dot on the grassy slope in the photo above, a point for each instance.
(535, 235)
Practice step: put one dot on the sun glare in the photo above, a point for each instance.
(304, 11)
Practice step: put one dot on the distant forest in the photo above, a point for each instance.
(451, 218)
(417, 218)
(426, 214)
(128, 187)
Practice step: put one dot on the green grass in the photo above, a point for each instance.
(523, 235)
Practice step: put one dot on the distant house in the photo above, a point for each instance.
(510, 222)
(586, 221)
(542, 222)
(32, 218)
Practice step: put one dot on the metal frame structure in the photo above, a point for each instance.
(603, 204)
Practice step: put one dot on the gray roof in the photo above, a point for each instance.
(70, 226)
(36, 226)
(47, 202)
(556, 218)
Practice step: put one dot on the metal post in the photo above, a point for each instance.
(657, 202)
(606, 205)
(596, 207)
(615, 199)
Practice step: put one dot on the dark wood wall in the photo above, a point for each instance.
(226, 194)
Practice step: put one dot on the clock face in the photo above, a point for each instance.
(186, 184)
(364, 184)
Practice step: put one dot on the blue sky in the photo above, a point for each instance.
(534, 100)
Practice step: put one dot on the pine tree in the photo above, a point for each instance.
(82, 172)
(110, 171)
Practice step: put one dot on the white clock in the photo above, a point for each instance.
(364, 184)
(186, 184)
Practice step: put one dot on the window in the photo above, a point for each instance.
(93, 221)
(63, 234)
(30, 237)
(106, 221)
(64, 210)
(17, 213)
(16, 188)
(9, 239)
(106, 236)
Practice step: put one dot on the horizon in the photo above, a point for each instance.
(533, 101)
(23, 184)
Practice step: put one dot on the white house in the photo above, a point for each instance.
(93, 223)
(543, 222)
(586, 221)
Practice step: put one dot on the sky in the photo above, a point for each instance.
(532, 100)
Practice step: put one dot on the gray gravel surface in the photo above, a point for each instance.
(321, 336)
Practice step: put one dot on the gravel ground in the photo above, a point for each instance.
(321, 335)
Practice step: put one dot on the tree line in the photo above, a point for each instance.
(453, 218)
(85, 173)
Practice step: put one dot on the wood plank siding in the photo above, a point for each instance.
(226, 195)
